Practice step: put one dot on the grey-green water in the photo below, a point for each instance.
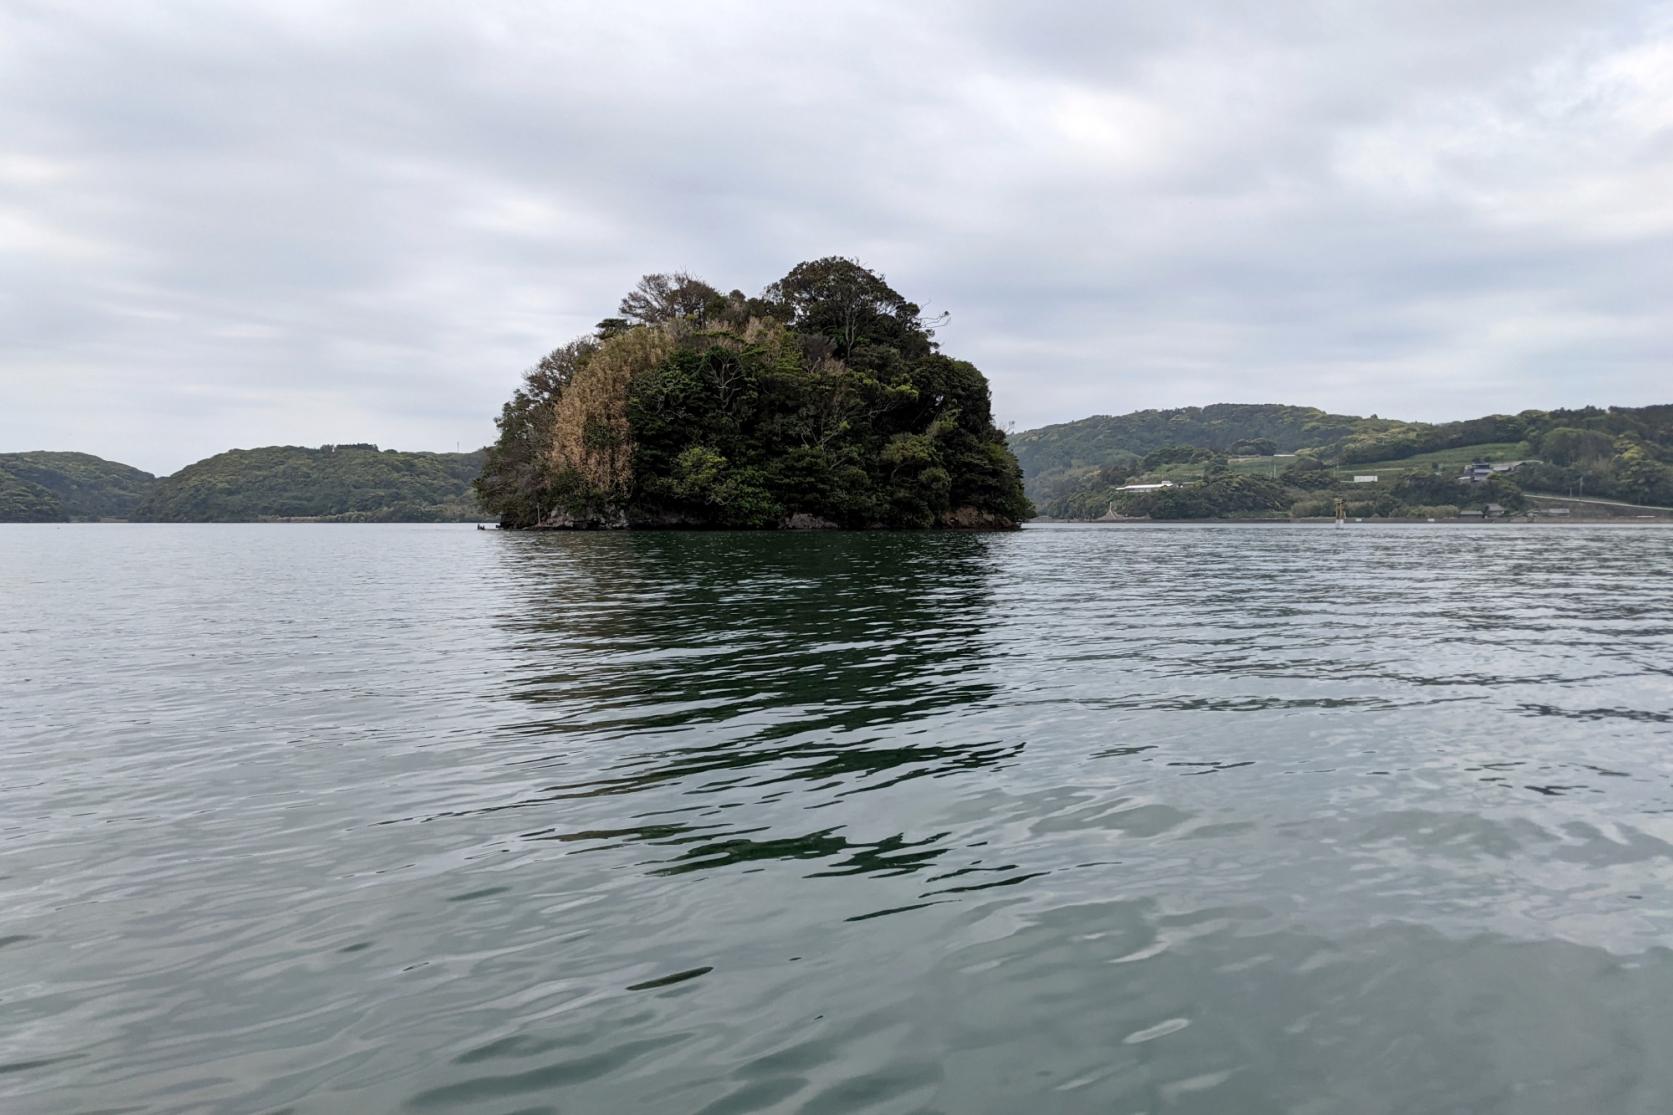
(1213, 819)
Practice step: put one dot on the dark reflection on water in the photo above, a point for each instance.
(1167, 820)
(744, 668)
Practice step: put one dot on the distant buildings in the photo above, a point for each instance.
(1365, 480)
(1477, 472)
(1145, 487)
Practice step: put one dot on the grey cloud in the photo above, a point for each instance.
(309, 222)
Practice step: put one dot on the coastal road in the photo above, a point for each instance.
(1603, 502)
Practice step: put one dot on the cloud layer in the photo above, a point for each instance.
(233, 225)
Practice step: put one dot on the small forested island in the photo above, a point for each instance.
(824, 402)
(1266, 461)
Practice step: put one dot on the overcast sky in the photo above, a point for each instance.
(295, 222)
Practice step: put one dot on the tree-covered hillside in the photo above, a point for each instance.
(349, 483)
(83, 486)
(1226, 427)
(22, 502)
(824, 401)
(1231, 465)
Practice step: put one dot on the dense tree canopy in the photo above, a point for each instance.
(349, 483)
(825, 401)
(50, 486)
(23, 502)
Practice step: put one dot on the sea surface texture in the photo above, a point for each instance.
(1233, 819)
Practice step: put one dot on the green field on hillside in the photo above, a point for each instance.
(1446, 458)
(1193, 470)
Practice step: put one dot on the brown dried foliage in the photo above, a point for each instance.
(591, 434)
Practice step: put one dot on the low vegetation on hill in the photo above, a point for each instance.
(825, 401)
(61, 487)
(343, 483)
(1242, 460)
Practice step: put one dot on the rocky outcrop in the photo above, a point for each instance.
(801, 520)
(971, 518)
(563, 520)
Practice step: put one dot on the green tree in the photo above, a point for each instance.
(840, 300)
(516, 481)
(659, 299)
(1566, 445)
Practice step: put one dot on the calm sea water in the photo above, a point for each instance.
(1208, 819)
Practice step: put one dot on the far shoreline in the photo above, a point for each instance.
(1649, 520)
(1518, 521)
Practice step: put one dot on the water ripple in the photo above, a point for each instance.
(314, 819)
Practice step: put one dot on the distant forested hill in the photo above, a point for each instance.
(22, 502)
(1117, 439)
(57, 487)
(1077, 469)
(348, 483)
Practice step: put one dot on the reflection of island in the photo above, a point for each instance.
(692, 674)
